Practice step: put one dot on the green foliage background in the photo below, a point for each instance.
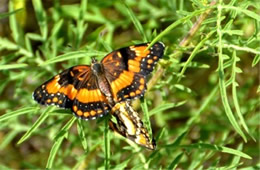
(203, 108)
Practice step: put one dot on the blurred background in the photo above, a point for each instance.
(188, 106)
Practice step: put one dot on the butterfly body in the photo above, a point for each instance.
(101, 80)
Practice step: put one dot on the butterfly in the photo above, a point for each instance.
(91, 91)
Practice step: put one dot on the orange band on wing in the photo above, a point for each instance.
(134, 65)
(140, 51)
(54, 87)
(125, 79)
(88, 96)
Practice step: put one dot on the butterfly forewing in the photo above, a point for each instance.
(74, 88)
(127, 68)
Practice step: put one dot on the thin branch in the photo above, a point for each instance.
(186, 40)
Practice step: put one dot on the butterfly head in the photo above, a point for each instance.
(93, 60)
(96, 67)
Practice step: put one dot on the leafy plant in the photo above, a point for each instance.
(202, 101)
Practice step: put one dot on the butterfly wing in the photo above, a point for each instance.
(130, 125)
(127, 68)
(74, 88)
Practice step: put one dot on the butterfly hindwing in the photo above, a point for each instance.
(130, 125)
(74, 88)
(90, 104)
(59, 90)
(140, 60)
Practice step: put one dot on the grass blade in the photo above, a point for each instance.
(164, 106)
(4, 15)
(41, 18)
(107, 144)
(82, 134)
(194, 52)
(12, 66)
(256, 60)
(58, 140)
(18, 112)
(175, 24)
(72, 55)
(38, 122)
(13, 24)
(136, 22)
(217, 148)
(175, 162)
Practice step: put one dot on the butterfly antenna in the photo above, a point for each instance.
(93, 60)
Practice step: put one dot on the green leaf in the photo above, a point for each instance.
(58, 141)
(234, 32)
(12, 66)
(107, 144)
(256, 60)
(217, 148)
(8, 138)
(82, 134)
(34, 127)
(13, 24)
(173, 25)
(25, 110)
(72, 55)
(194, 52)
(234, 93)
(122, 165)
(34, 36)
(4, 15)
(177, 141)
(41, 17)
(245, 11)
(164, 106)
(222, 86)
(183, 88)
(175, 162)
(6, 44)
(195, 65)
(136, 22)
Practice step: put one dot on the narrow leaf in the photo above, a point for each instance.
(217, 148)
(136, 22)
(72, 55)
(82, 134)
(175, 162)
(19, 112)
(38, 122)
(165, 106)
(4, 15)
(194, 52)
(58, 142)
(12, 66)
